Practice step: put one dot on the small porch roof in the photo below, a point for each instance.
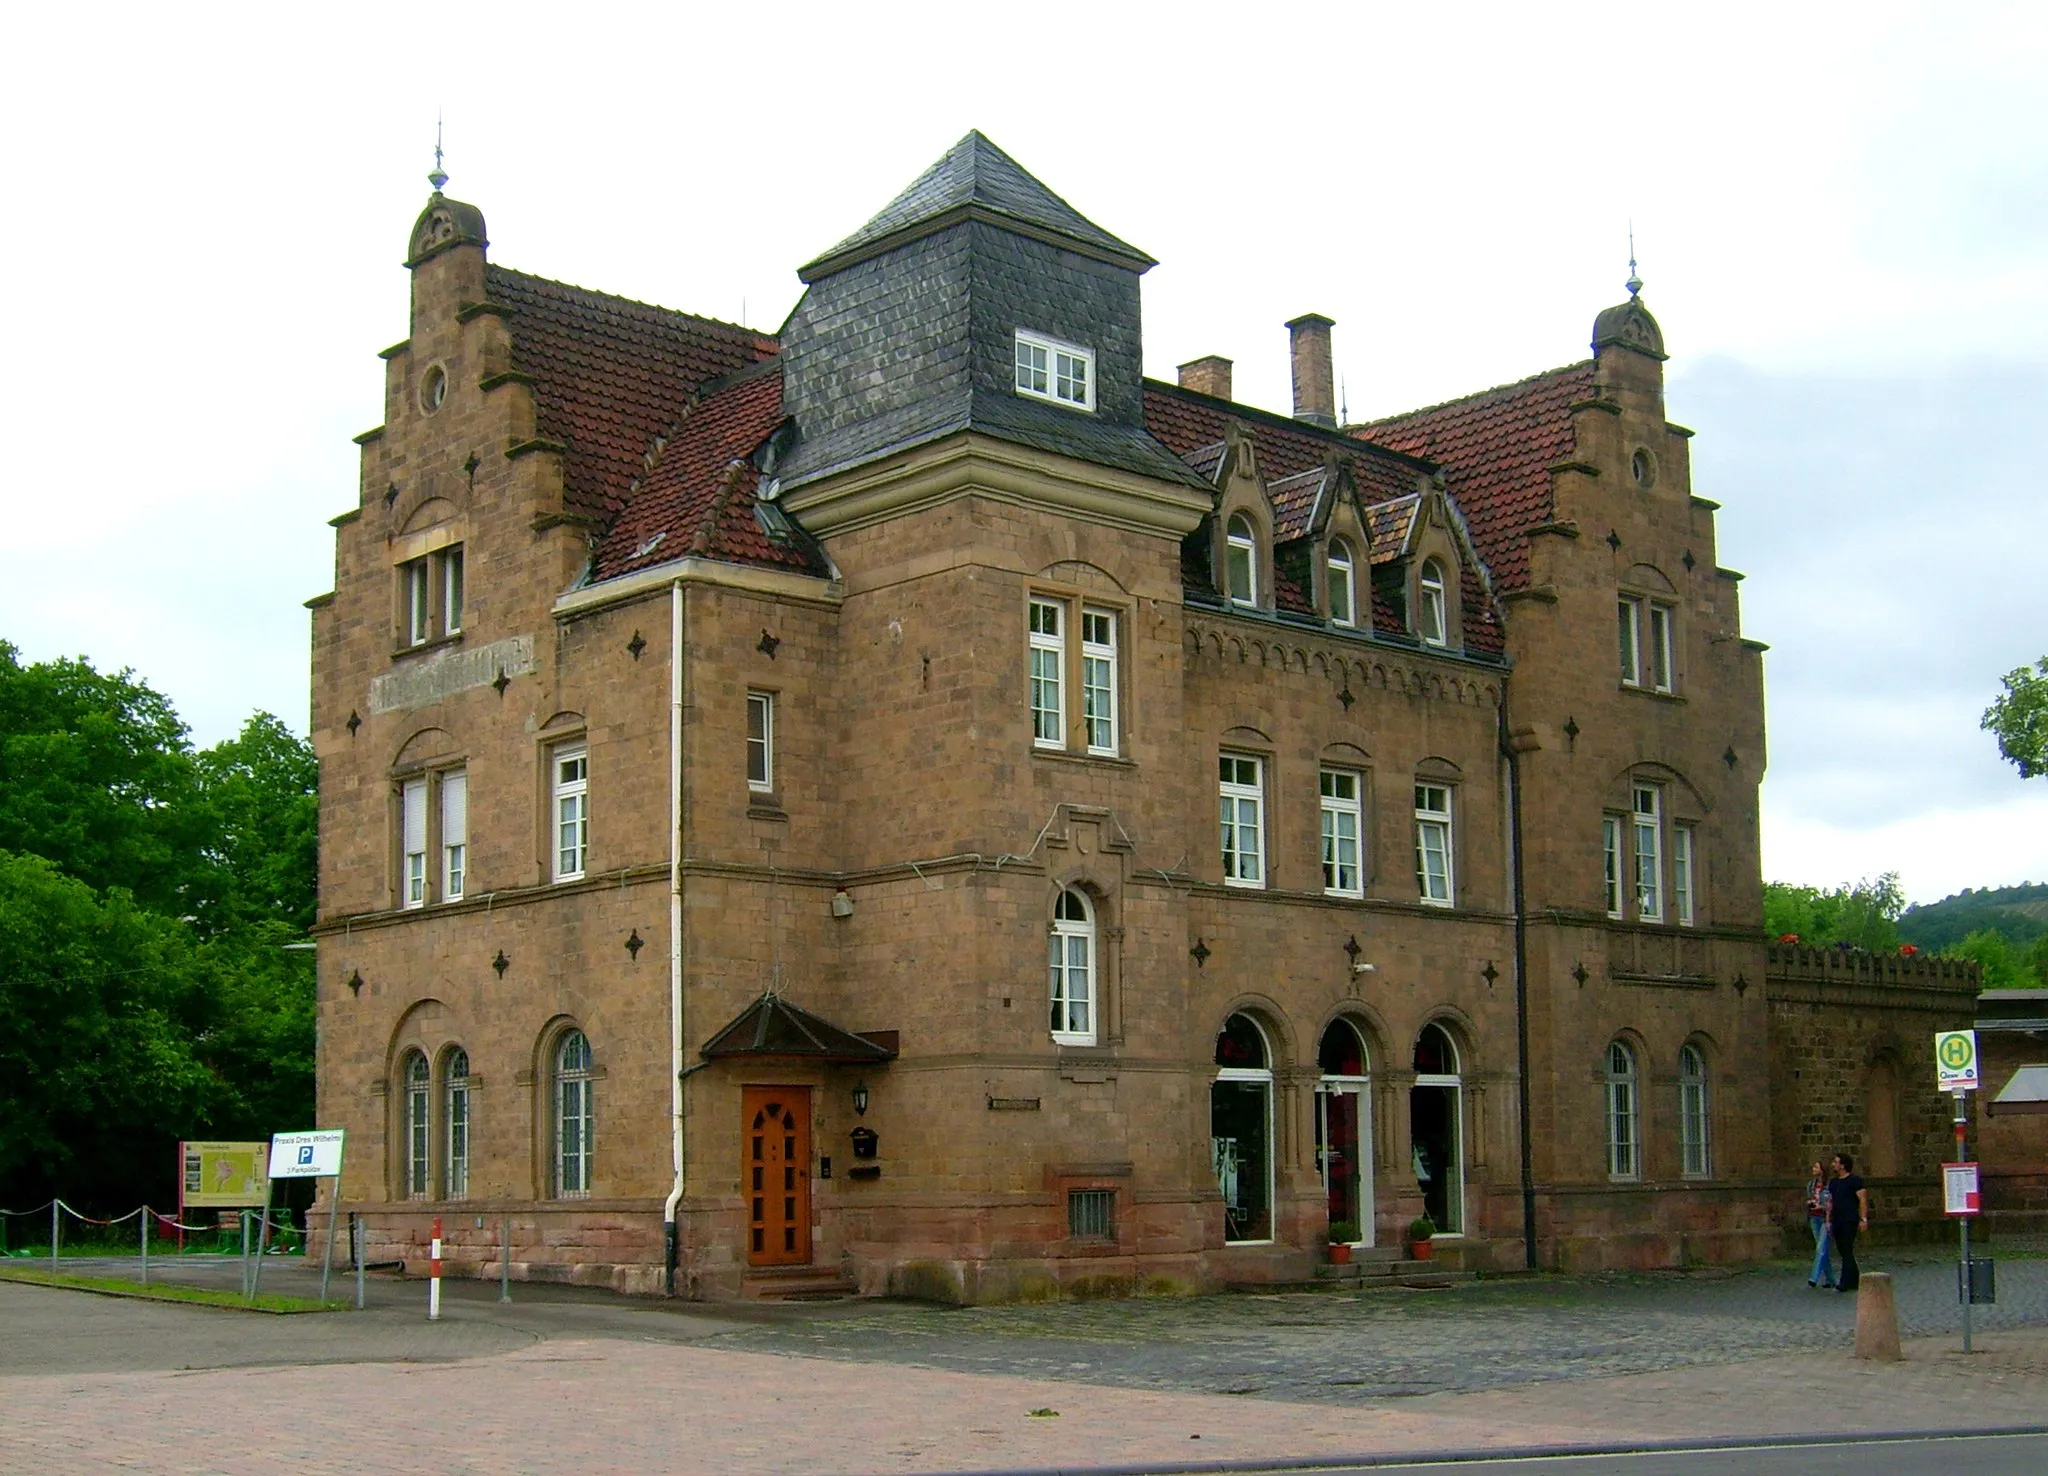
(2026, 1092)
(772, 1026)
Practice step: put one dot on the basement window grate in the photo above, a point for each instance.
(1091, 1214)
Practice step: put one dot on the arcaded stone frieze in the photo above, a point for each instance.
(1350, 671)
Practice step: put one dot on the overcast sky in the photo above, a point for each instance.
(1840, 213)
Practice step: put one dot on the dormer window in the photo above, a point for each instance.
(1342, 584)
(1241, 562)
(1050, 370)
(1432, 625)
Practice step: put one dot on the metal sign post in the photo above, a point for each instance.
(1968, 1281)
(315, 1155)
(1957, 1071)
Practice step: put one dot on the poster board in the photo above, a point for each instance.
(224, 1175)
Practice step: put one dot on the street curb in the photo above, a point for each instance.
(1481, 1454)
(147, 1296)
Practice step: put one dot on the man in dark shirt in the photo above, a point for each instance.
(1849, 1213)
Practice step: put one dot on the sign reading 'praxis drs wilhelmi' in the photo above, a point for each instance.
(1955, 1060)
(306, 1155)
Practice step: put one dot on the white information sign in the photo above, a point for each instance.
(1959, 1189)
(306, 1155)
(1955, 1060)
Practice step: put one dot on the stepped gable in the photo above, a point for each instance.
(1496, 449)
(610, 375)
(700, 499)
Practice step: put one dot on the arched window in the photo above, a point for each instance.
(1070, 953)
(1241, 1129)
(417, 1106)
(1695, 1148)
(455, 1115)
(574, 1115)
(1344, 1132)
(1624, 1127)
(1436, 1130)
(1241, 561)
(1343, 584)
(1433, 611)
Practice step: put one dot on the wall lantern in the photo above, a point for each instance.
(860, 1099)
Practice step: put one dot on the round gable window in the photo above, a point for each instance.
(434, 390)
(1643, 469)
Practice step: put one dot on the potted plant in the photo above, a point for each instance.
(1420, 1232)
(1343, 1234)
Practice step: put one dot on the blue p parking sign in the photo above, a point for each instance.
(305, 1153)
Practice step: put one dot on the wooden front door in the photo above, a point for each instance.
(775, 1153)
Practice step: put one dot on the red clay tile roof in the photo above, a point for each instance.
(1188, 423)
(610, 375)
(699, 499)
(1496, 449)
(1295, 500)
(1388, 525)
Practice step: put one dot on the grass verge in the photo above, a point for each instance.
(201, 1296)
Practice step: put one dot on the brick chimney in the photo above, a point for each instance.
(1209, 375)
(1315, 381)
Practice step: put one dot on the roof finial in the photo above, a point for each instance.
(440, 176)
(1343, 403)
(1635, 283)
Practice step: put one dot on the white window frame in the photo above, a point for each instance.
(1611, 855)
(1629, 641)
(1098, 680)
(569, 807)
(416, 592)
(1645, 644)
(1433, 606)
(1433, 817)
(451, 590)
(574, 1105)
(1646, 805)
(1340, 574)
(1340, 812)
(1047, 672)
(454, 785)
(1049, 369)
(1695, 1124)
(1071, 954)
(1624, 1113)
(1659, 677)
(1241, 812)
(1684, 875)
(417, 1083)
(1241, 547)
(761, 742)
(412, 846)
(456, 1101)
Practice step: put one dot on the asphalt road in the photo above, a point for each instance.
(1998, 1455)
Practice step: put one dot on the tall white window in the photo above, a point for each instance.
(1342, 584)
(1048, 674)
(1343, 873)
(1645, 644)
(1241, 804)
(1434, 623)
(1050, 370)
(1070, 954)
(418, 1129)
(451, 590)
(1098, 679)
(413, 827)
(1695, 1150)
(575, 1116)
(1649, 829)
(1610, 848)
(761, 742)
(1682, 874)
(455, 1114)
(454, 834)
(416, 591)
(1434, 860)
(571, 810)
(1241, 562)
(1624, 1138)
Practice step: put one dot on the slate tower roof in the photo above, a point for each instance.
(907, 332)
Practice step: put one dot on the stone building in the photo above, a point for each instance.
(908, 801)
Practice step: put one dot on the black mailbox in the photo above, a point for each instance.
(864, 1141)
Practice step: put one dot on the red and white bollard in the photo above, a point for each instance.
(434, 1275)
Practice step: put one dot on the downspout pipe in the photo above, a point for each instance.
(670, 1232)
(1521, 906)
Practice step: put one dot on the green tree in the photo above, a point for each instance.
(258, 815)
(2000, 964)
(2020, 718)
(1864, 914)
